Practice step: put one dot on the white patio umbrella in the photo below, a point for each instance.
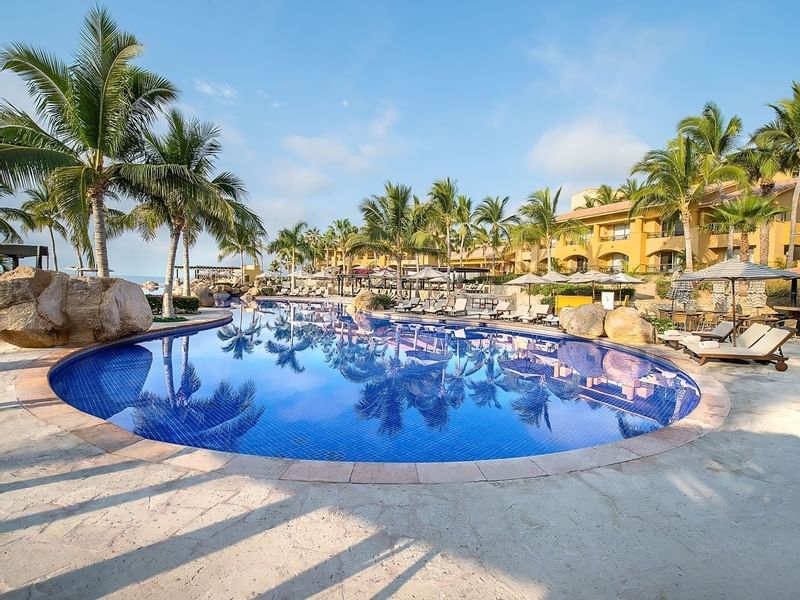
(426, 273)
(321, 275)
(734, 270)
(593, 277)
(268, 274)
(555, 277)
(624, 279)
(528, 279)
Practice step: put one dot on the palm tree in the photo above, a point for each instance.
(492, 213)
(7, 231)
(784, 133)
(45, 213)
(714, 139)
(628, 190)
(526, 235)
(481, 239)
(675, 182)
(313, 239)
(760, 162)
(444, 198)
(463, 223)
(193, 147)
(90, 118)
(343, 232)
(744, 214)
(540, 210)
(291, 242)
(605, 194)
(391, 226)
(240, 240)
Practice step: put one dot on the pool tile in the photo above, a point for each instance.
(509, 468)
(319, 470)
(384, 473)
(450, 472)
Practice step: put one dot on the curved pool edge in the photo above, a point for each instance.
(33, 392)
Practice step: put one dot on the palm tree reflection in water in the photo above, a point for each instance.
(215, 421)
(241, 339)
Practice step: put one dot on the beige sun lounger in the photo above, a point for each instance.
(516, 315)
(459, 308)
(768, 348)
(721, 332)
(749, 337)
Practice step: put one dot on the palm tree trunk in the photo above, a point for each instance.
(549, 255)
(53, 246)
(763, 243)
(729, 251)
(793, 226)
(187, 289)
(399, 258)
(99, 225)
(167, 306)
(291, 273)
(686, 219)
(241, 262)
(448, 255)
(461, 252)
(169, 381)
(744, 246)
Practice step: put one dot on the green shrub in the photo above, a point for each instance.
(778, 288)
(662, 286)
(183, 305)
(660, 324)
(384, 301)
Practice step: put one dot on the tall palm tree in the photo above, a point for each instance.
(390, 226)
(604, 194)
(541, 211)
(7, 231)
(45, 213)
(191, 146)
(760, 162)
(90, 117)
(291, 242)
(628, 189)
(784, 133)
(492, 213)
(241, 240)
(481, 239)
(444, 198)
(744, 214)
(463, 224)
(313, 239)
(714, 138)
(526, 235)
(675, 182)
(343, 233)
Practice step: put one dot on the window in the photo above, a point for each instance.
(622, 231)
(582, 264)
(616, 262)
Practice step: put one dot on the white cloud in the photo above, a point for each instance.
(297, 181)
(587, 149)
(345, 103)
(325, 150)
(219, 91)
(381, 125)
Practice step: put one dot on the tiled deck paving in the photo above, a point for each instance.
(715, 518)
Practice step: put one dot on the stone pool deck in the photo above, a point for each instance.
(715, 518)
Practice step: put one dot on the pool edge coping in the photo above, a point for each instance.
(33, 392)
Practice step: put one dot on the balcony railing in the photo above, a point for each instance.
(617, 237)
(663, 234)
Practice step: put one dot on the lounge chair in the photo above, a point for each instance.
(747, 338)
(407, 306)
(720, 333)
(517, 314)
(768, 348)
(438, 308)
(459, 308)
(536, 313)
(503, 307)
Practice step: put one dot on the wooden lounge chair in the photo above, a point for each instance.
(438, 308)
(407, 306)
(503, 307)
(459, 308)
(517, 314)
(767, 349)
(720, 333)
(749, 337)
(536, 313)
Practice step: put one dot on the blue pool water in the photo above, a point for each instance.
(308, 381)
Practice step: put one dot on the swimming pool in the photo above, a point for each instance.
(309, 381)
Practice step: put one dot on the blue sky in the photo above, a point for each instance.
(321, 102)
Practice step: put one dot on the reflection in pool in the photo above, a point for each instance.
(309, 381)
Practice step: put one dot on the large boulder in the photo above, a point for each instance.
(364, 300)
(584, 321)
(43, 308)
(624, 324)
(203, 293)
(31, 308)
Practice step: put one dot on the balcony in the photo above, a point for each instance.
(617, 237)
(652, 235)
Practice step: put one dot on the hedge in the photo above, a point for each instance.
(182, 304)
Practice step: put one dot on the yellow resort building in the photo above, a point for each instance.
(643, 244)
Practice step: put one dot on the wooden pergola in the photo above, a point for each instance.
(17, 251)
